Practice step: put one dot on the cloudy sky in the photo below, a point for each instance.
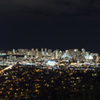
(79, 11)
(53, 24)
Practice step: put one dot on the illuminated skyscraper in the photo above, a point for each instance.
(14, 51)
(49, 51)
(45, 51)
(37, 53)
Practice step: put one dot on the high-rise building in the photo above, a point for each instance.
(14, 51)
(49, 52)
(45, 51)
(37, 53)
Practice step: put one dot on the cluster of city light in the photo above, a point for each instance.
(51, 63)
(88, 57)
(65, 55)
(48, 57)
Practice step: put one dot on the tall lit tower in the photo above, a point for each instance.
(36, 53)
(45, 51)
(14, 51)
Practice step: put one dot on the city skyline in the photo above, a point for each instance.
(26, 73)
(50, 59)
(53, 49)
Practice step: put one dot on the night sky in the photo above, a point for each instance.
(54, 24)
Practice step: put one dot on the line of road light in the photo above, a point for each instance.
(9, 67)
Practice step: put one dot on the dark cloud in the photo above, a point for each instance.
(67, 6)
(47, 10)
(63, 3)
